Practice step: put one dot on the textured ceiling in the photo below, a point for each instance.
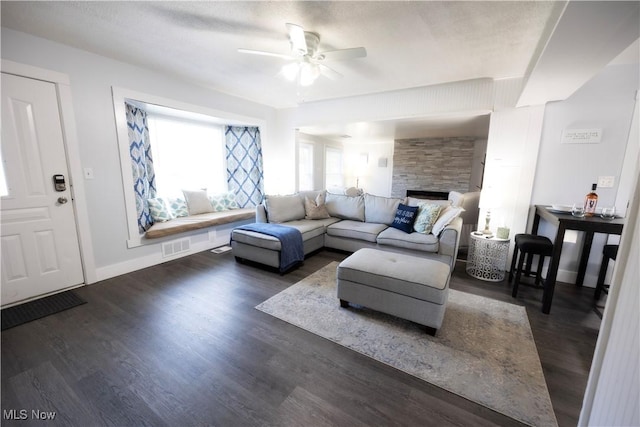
(409, 44)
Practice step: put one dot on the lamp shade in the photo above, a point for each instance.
(490, 198)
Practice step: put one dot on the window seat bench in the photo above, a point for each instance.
(196, 222)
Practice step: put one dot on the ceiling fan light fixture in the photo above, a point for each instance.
(307, 63)
(290, 71)
(308, 73)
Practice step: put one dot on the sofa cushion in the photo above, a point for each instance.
(427, 216)
(380, 209)
(416, 241)
(345, 207)
(447, 215)
(312, 227)
(256, 239)
(405, 216)
(366, 231)
(308, 228)
(284, 208)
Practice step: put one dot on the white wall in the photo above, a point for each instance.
(477, 168)
(512, 147)
(565, 172)
(613, 390)
(91, 78)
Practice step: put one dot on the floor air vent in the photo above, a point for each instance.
(176, 247)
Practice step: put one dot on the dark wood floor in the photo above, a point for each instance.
(180, 344)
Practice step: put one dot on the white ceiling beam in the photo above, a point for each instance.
(587, 37)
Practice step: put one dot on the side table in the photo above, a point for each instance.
(487, 258)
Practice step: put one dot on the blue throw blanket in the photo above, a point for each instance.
(291, 251)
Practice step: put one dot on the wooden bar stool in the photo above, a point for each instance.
(608, 252)
(529, 245)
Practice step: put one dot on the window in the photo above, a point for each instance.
(139, 178)
(187, 155)
(333, 167)
(305, 167)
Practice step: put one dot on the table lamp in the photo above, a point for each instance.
(487, 202)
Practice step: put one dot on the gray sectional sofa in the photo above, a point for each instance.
(352, 223)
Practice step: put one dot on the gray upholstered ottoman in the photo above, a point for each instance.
(409, 287)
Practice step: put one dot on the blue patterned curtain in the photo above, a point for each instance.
(244, 164)
(144, 178)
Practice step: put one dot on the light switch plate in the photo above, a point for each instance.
(606, 181)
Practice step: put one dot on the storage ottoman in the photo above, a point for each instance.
(405, 286)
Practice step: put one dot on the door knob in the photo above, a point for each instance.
(62, 200)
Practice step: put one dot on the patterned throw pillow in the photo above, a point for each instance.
(230, 200)
(178, 207)
(405, 216)
(218, 202)
(159, 210)
(427, 216)
(224, 201)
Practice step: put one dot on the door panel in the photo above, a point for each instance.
(40, 251)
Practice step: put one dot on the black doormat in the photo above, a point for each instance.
(32, 310)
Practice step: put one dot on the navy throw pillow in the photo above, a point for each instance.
(405, 216)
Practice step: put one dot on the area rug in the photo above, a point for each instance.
(37, 309)
(484, 351)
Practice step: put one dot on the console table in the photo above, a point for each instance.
(487, 258)
(565, 221)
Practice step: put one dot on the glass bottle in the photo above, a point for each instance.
(591, 201)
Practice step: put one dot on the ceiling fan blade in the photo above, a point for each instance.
(329, 72)
(297, 38)
(263, 53)
(340, 54)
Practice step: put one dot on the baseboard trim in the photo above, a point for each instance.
(118, 269)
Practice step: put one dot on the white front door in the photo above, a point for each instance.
(40, 251)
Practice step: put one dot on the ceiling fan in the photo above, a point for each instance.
(308, 63)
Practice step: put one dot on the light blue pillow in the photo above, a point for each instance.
(178, 207)
(230, 200)
(427, 216)
(159, 210)
(218, 201)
